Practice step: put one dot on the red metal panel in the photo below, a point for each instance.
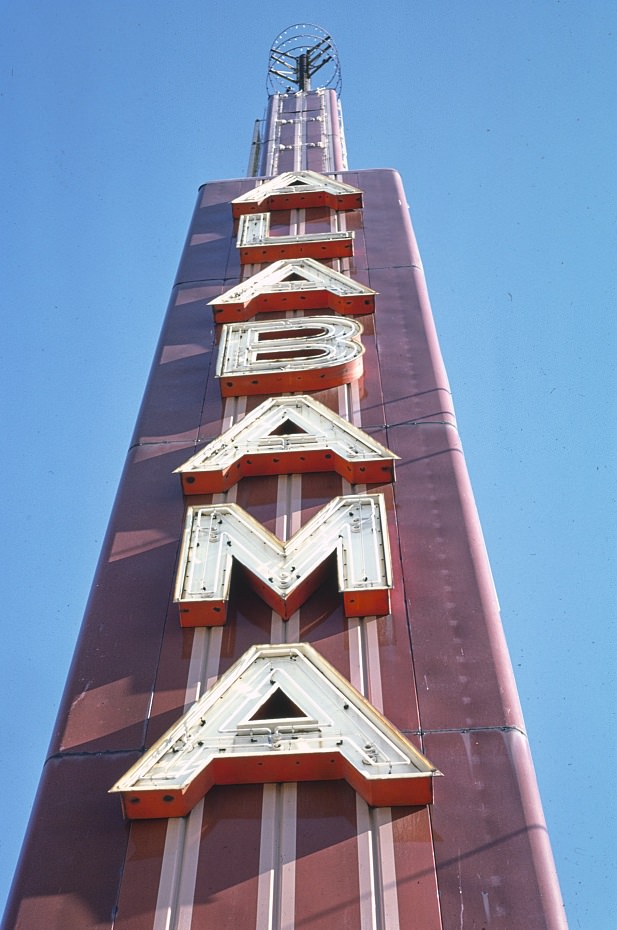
(179, 374)
(315, 159)
(459, 650)
(327, 888)
(109, 688)
(315, 131)
(228, 866)
(208, 244)
(492, 850)
(387, 227)
(169, 694)
(286, 161)
(416, 879)
(407, 335)
(398, 685)
(287, 133)
(290, 103)
(314, 100)
(70, 874)
(140, 875)
(318, 219)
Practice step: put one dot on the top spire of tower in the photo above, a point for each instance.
(302, 129)
(297, 54)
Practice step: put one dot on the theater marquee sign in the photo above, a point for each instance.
(282, 713)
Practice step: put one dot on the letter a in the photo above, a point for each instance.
(284, 436)
(293, 284)
(296, 190)
(280, 714)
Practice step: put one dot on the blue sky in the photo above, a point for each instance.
(500, 116)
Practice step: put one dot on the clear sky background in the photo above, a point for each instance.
(500, 116)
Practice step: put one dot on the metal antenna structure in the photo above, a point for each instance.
(297, 54)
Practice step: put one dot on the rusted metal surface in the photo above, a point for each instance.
(310, 854)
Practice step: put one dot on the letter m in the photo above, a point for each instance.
(285, 573)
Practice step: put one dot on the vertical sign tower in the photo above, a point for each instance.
(291, 703)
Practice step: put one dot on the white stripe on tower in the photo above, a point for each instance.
(379, 909)
(300, 136)
(176, 892)
(276, 889)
